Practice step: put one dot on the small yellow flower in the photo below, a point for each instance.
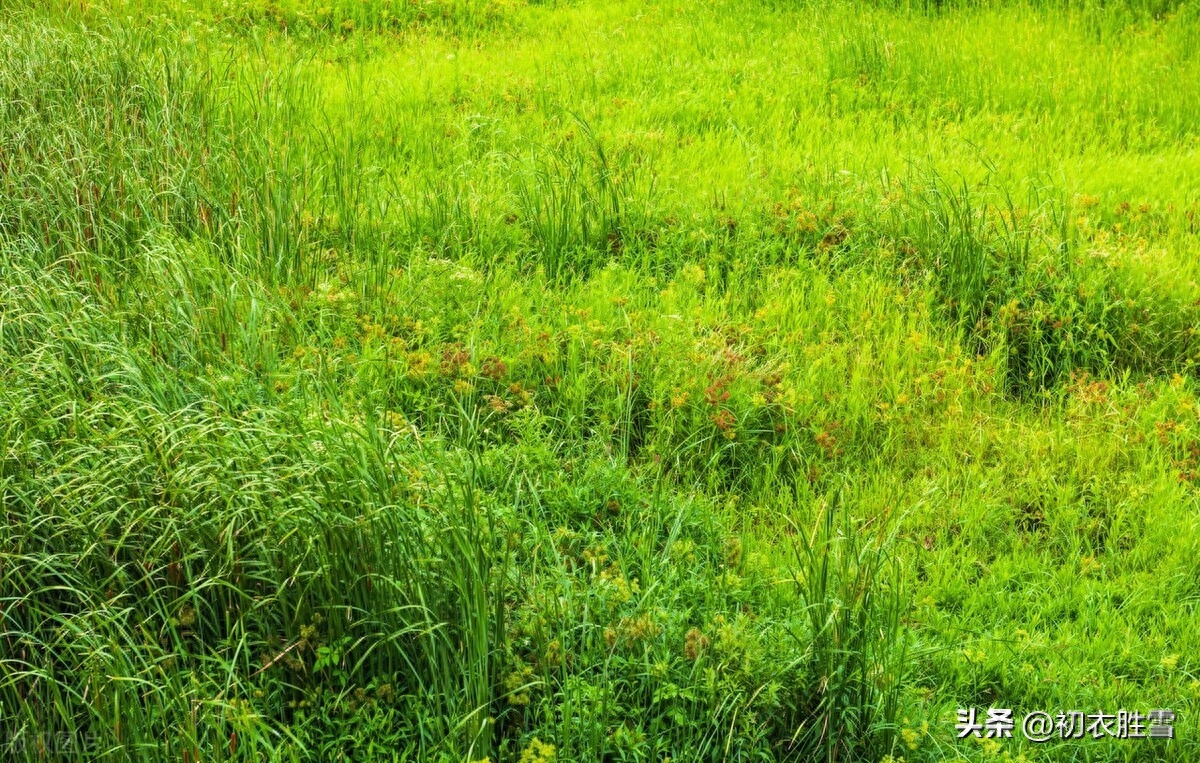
(990, 746)
(517, 683)
(974, 655)
(538, 752)
(419, 363)
(554, 654)
(396, 419)
(693, 273)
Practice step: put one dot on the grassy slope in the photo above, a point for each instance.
(633, 275)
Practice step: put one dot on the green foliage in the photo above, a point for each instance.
(855, 607)
(412, 381)
(1032, 279)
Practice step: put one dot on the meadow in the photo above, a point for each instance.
(573, 381)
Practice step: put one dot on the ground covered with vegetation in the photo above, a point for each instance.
(463, 380)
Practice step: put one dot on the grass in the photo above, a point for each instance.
(595, 381)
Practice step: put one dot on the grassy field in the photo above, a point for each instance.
(464, 380)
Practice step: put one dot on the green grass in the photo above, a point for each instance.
(588, 381)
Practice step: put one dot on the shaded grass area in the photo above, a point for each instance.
(231, 568)
(351, 412)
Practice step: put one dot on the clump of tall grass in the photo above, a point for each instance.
(854, 603)
(305, 18)
(95, 151)
(1024, 279)
(105, 142)
(189, 571)
(581, 205)
(1043, 280)
(1121, 11)
(180, 573)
